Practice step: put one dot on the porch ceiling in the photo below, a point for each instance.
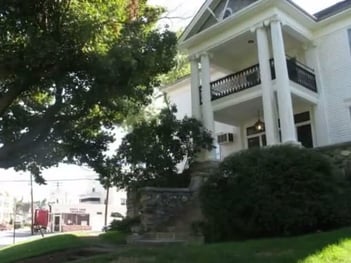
(239, 113)
(246, 111)
(240, 52)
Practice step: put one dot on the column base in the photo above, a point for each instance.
(293, 143)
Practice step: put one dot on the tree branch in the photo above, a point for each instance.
(40, 130)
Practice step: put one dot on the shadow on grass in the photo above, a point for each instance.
(324, 247)
(317, 248)
(56, 249)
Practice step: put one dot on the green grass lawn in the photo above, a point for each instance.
(328, 247)
(114, 237)
(39, 247)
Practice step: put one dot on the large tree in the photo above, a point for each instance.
(69, 71)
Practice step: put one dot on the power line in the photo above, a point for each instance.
(50, 180)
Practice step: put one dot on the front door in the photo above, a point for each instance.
(304, 129)
(304, 135)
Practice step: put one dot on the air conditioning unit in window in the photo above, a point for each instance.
(225, 138)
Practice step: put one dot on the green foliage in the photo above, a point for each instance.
(152, 150)
(124, 226)
(69, 72)
(274, 191)
(181, 69)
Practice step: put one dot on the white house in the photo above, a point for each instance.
(267, 72)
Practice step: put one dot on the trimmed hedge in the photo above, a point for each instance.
(274, 191)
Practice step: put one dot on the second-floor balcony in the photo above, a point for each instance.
(250, 77)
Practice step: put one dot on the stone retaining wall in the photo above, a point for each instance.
(159, 205)
(339, 155)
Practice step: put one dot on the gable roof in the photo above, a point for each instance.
(333, 10)
(202, 19)
(213, 12)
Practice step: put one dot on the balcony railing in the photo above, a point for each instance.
(250, 77)
(236, 82)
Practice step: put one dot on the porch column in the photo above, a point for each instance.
(286, 113)
(195, 85)
(268, 99)
(207, 111)
(320, 116)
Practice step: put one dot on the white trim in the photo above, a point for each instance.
(237, 98)
(213, 14)
(225, 10)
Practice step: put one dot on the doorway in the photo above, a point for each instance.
(57, 221)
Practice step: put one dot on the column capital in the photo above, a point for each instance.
(256, 27)
(193, 58)
(276, 19)
(205, 54)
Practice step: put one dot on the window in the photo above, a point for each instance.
(123, 201)
(255, 138)
(227, 12)
(90, 199)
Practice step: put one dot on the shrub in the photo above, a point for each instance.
(124, 226)
(273, 191)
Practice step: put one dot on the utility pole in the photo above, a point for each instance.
(106, 205)
(14, 222)
(31, 204)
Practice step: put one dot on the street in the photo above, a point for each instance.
(6, 237)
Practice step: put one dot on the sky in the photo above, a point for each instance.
(78, 180)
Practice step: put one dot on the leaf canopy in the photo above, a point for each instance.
(69, 71)
(149, 155)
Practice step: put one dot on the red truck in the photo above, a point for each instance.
(41, 220)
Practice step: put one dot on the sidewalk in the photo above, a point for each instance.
(6, 237)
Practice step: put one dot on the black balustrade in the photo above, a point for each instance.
(236, 82)
(301, 75)
(250, 77)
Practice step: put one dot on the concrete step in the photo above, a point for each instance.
(164, 238)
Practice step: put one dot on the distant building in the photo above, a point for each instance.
(6, 207)
(88, 212)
